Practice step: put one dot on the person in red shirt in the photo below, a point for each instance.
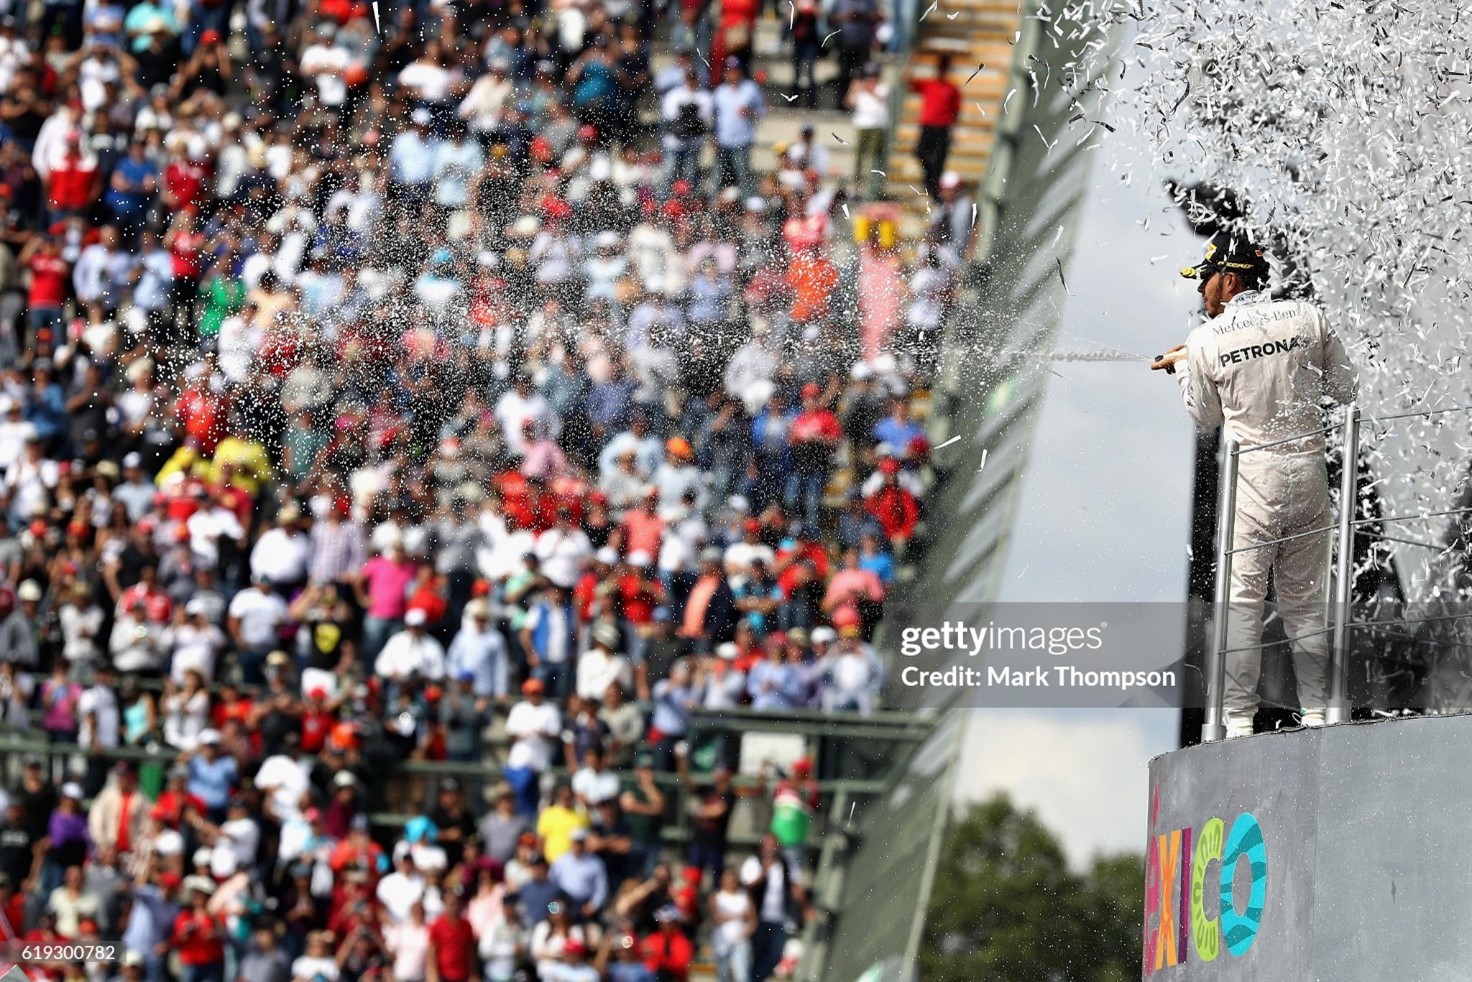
(73, 183)
(668, 952)
(12, 908)
(640, 591)
(199, 936)
(814, 437)
(940, 107)
(49, 275)
(185, 183)
(895, 507)
(452, 943)
(186, 249)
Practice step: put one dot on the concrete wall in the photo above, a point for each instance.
(1349, 854)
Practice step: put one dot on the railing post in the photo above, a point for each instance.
(1215, 728)
(1339, 709)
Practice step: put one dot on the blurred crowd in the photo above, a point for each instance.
(457, 392)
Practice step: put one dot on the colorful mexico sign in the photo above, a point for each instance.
(1181, 867)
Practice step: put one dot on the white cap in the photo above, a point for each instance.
(950, 179)
(420, 116)
(727, 651)
(640, 559)
(72, 789)
(29, 590)
(600, 169)
(209, 737)
(823, 635)
(607, 240)
(344, 779)
(415, 617)
(133, 459)
(202, 856)
(168, 843)
(860, 371)
(608, 556)
(756, 204)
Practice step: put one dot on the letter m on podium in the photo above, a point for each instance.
(1167, 896)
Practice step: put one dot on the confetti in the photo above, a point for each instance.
(377, 27)
(954, 439)
(829, 38)
(930, 9)
(983, 461)
(975, 73)
(839, 138)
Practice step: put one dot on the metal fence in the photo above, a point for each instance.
(1338, 560)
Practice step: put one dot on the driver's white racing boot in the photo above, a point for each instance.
(1238, 726)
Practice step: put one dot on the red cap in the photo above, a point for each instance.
(38, 527)
(682, 189)
(811, 389)
(752, 525)
(572, 946)
(319, 693)
(210, 37)
(432, 693)
(531, 686)
(170, 881)
(889, 466)
(587, 132)
(557, 208)
(673, 209)
(802, 766)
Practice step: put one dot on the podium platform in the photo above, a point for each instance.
(1336, 854)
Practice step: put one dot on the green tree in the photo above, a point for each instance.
(1006, 908)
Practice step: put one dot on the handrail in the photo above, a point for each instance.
(1408, 518)
(1427, 413)
(1281, 539)
(1249, 448)
(1339, 573)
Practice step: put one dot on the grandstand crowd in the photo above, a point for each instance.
(410, 396)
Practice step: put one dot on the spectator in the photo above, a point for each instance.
(734, 918)
(940, 108)
(869, 103)
(738, 105)
(668, 952)
(781, 902)
(532, 725)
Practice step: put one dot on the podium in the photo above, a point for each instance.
(1336, 854)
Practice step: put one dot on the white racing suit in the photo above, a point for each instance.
(1262, 369)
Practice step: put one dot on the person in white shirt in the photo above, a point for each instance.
(282, 554)
(15, 432)
(318, 963)
(325, 62)
(601, 665)
(284, 777)
(869, 101)
(411, 652)
(402, 889)
(594, 783)
(207, 527)
(562, 550)
(534, 726)
(522, 403)
(254, 619)
(194, 643)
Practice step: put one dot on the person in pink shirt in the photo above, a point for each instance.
(883, 294)
(642, 529)
(383, 592)
(856, 591)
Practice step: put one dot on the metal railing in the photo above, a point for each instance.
(1339, 560)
